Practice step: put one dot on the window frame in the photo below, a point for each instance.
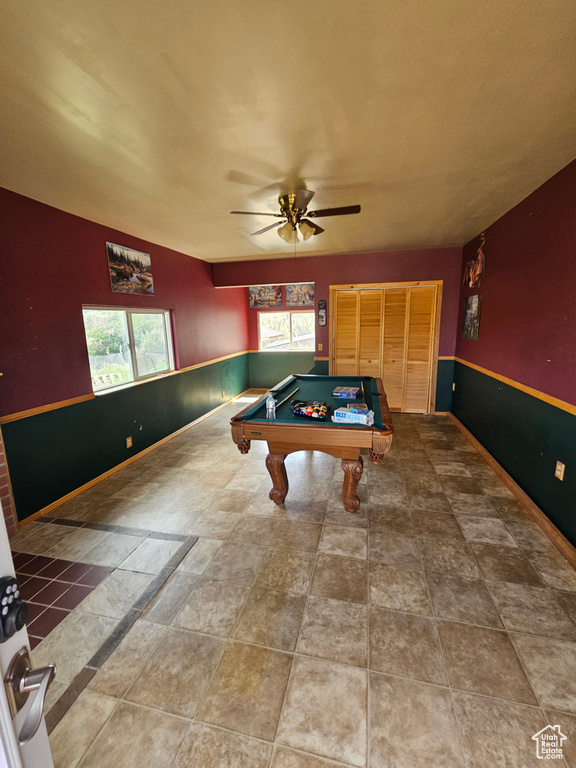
(280, 311)
(168, 335)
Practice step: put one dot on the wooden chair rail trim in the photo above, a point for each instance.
(535, 513)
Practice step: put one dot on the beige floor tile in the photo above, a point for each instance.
(73, 643)
(451, 468)
(487, 530)
(213, 607)
(39, 538)
(271, 618)
(116, 594)
(399, 589)
(334, 630)
(390, 520)
(236, 561)
(71, 738)
(285, 570)
(567, 725)
(497, 732)
(77, 544)
(137, 737)
(551, 668)
(529, 535)
(437, 502)
(214, 525)
(230, 501)
(405, 645)
(472, 504)
(288, 758)
(150, 556)
(176, 674)
(200, 556)
(567, 601)
(325, 711)
(294, 534)
(461, 599)
(344, 541)
(394, 549)
(54, 692)
(505, 564)
(207, 747)
(247, 691)
(533, 610)
(254, 529)
(337, 515)
(341, 578)
(554, 570)
(454, 557)
(436, 524)
(412, 725)
(164, 607)
(113, 550)
(121, 668)
(482, 660)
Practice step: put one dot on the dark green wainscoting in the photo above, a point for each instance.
(526, 436)
(53, 453)
(444, 379)
(270, 368)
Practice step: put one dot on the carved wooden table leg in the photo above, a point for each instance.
(353, 469)
(275, 465)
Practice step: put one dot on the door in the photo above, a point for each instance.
(389, 331)
(36, 752)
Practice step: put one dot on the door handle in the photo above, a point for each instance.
(20, 681)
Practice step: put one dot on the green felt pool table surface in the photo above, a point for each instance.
(318, 388)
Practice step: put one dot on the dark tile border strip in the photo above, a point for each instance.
(142, 532)
(65, 701)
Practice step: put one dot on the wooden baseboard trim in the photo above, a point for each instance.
(556, 537)
(118, 467)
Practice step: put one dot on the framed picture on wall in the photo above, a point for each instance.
(130, 270)
(471, 320)
(265, 295)
(300, 295)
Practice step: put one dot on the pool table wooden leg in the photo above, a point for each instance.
(353, 469)
(275, 465)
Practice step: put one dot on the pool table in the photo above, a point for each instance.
(289, 433)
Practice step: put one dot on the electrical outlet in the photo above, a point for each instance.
(320, 347)
(128, 442)
(453, 386)
(559, 470)
(223, 394)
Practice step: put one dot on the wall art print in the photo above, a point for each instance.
(300, 295)
(475, 268)
(130, 270)
(471, 321)
(265, 295)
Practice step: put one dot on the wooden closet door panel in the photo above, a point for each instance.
(346, 334)
(394, 345)
(370, 333)
(419, 348)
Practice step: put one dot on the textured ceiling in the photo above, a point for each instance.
(160, 118)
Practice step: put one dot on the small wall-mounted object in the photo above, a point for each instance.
(322, 314)
(559, 472)
(128, 442)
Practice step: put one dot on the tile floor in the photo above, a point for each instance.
(435, 628)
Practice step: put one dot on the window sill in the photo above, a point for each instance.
(131, 384)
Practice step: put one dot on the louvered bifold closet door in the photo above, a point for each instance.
(420, 332)
(346, 333)
(394, 345)
(370, 333)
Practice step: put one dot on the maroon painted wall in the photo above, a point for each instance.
(395, 266)
(528, 316)
(52, 263)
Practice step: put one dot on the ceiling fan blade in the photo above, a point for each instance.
(317, 229)
(255, 213)
(265, 229)
(302, 198)
(344, 211)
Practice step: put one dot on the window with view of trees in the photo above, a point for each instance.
(126, 345)
(281, 331)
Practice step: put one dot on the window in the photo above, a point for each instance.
(286, 331)
(127, 345)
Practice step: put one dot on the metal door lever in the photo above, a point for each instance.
(20, 681)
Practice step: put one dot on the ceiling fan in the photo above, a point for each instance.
(293, 210)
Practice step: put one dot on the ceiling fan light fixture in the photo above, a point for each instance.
(288, 233)
(306, 230)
